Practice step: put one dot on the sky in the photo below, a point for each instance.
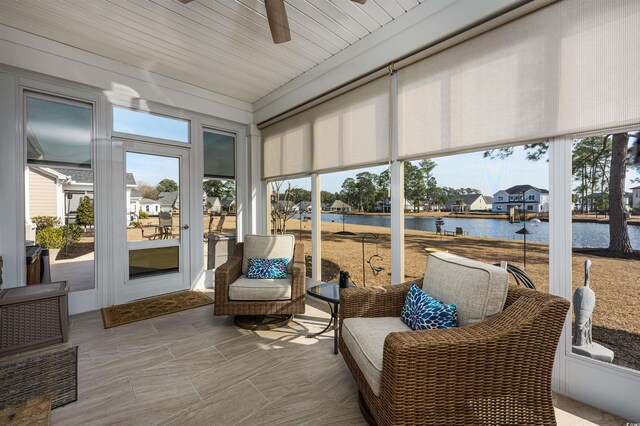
(468, 171)
(457, 171)
(151, 169)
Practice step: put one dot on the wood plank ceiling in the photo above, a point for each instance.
(220, 45)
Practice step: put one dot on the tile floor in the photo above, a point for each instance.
(194, 368)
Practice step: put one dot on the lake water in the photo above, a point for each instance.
(584, 234)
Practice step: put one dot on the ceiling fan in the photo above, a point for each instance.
(277, 17)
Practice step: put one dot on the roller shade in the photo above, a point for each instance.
(347, 131)
(571, 67)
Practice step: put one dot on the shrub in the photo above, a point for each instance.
(636, 210)
(84, 214)
(71, 233)
(52, 238)
(43, 222)
(142, 215)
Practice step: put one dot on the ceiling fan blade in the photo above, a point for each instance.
(359, 1)
(185, 1)
(278, 22)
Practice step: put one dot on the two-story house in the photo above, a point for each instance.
(536, 200)
(635, 197)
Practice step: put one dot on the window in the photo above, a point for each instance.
(608, 238)
(219, 155)
(150, 125)
(59, 186)
(356, 204)
(58, 132)
(290, 212)
(219, 195)
(440, 187)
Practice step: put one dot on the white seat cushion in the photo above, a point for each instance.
(261, 289)
(478, 289)
(365, 339)
(267, 247)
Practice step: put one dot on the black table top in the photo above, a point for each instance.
(329, 292)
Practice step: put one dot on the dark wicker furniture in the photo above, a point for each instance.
(232, 270)
(33, 316)
(495, 372)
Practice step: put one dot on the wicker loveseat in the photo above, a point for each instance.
(497, 371)
(236, 295)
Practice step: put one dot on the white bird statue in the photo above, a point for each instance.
(584, 301)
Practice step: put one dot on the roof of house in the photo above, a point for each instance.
(466, 198)
(86, 176)
(635, 187)
(136, 194)
(304, 205)
(228, 201)
(148, 201)
(337, 204)
(167, 198)
(213, 200)
(488, 199)
(519, 189)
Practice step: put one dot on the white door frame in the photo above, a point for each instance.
(125, 289)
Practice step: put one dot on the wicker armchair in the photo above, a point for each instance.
(495, 372)
(231, 271)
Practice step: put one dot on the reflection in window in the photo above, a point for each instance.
(58, 133)
(150, 125)
(153, 261)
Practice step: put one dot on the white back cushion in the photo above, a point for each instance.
(267, 247)
(478, 289)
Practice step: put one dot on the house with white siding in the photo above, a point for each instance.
(635, 197)
(57, 191)
(536, 200)
(467, 202)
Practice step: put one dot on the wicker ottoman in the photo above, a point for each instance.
(33, 316)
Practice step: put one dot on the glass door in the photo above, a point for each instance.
(152, 220)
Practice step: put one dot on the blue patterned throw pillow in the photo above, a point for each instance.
(423, 312)
(268, 268)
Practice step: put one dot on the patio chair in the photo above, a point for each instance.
(219, 225)
(459, 231)
(165, 224)
(155, 235)
(237, 295)
(494, 368)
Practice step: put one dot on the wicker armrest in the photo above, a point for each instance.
(510, 354)
(386, 301)
(227, 273)
(299, 273)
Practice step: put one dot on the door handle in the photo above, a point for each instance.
(186, 226)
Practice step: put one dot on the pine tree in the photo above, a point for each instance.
(84, 214)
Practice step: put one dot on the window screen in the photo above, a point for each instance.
(219, 155)
(58, 133)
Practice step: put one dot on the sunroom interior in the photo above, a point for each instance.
(141, 141)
